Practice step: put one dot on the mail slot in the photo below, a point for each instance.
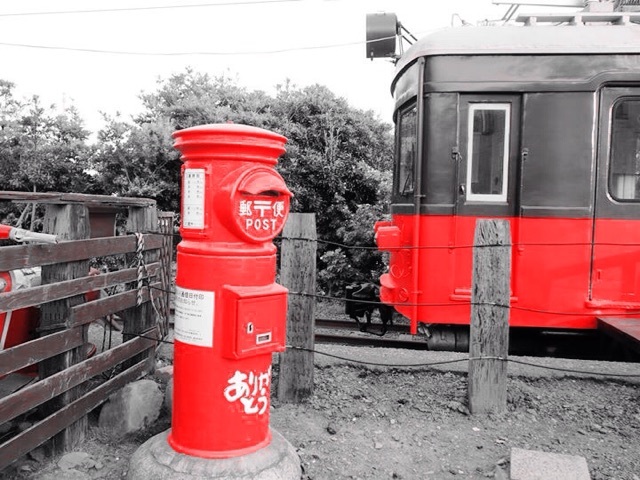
(255, 324)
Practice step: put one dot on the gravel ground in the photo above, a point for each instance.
(371, 421)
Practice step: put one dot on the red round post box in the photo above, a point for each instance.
(230, 315)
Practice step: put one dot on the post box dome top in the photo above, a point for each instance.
(229, 141)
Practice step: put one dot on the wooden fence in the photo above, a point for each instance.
(68, 384)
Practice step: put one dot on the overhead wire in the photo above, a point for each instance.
(152, 7)
(180, 53)
(185, 53)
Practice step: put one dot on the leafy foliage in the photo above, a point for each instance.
(41, 149)
(338, 165)
(337, 162)
(138, 161)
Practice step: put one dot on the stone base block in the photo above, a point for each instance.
(156, 460)
(535, 465)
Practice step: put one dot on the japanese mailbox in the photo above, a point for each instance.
(230, 315)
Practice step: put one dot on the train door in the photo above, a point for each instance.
(488, 130)
(615, 260)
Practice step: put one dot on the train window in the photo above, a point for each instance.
(488, 151)
(624, 174)
(406, 134)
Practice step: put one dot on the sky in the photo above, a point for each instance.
(102, 60)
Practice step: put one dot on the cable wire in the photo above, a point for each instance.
(466, 246)
(633, 311)
(435, 364)
(153, 7)
(459, 360)
(182, 54)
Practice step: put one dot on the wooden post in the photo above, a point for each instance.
(69, 222)
(490, 301)
(140, 319)
(298, 274)
(165, 223)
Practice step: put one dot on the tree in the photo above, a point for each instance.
(138, 161)
(41, 148)
(338, 165)
(337, 162)
(190, 98)
(9, 132)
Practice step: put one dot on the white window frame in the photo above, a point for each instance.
(484, 197)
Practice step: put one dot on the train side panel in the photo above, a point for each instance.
(560, 136)
(549, 282)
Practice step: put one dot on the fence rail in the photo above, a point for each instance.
(71, 380)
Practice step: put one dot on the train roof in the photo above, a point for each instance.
(524, 40)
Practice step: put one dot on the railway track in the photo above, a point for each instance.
(350, 325)
(522, 342)
(347, 333)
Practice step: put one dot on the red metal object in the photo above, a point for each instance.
(21, 235)
(18, 326)
(5, 231)
(230, 314)
(551, 267)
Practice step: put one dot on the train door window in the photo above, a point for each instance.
(407, 144)
(624, 173)
(488, 152)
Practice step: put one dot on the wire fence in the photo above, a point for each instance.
(466, 246)
(444, 362)
(457, 304)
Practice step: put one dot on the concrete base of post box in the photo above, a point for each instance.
(156, 460)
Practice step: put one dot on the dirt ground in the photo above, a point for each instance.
(374, 422)
(414, 424)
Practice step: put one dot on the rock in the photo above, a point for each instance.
(464, 410)
(22, 426)
(164, 374)
(168, 396)
(5, 427)
(500, 474)
(536, 465)
(73, 460)
(70, 474)
(38, 454)
(133, 408)
(331, 430)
